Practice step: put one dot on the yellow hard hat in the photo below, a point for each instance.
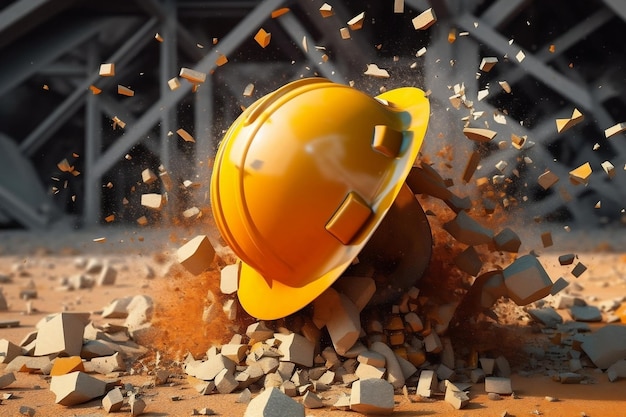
(303, 178)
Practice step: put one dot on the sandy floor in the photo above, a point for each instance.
(46, 264)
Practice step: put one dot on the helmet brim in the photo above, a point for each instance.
(267, 299)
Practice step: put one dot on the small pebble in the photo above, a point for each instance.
(494, 397)
(551, 399)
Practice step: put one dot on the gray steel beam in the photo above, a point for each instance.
(552, 79)
(19, 10)
(21, 16)
(167, 69)
(166, 14)
(297, 32)
(564, 42)
(618, 6)
(93, 145)
(20, 211)
(502, 11)
(27, 60)
(133, 134)
(71, 104)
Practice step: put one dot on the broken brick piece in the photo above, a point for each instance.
(76, 388)
(567, 259)
(67, 365)
(263, 38)
(547, 180)
(427, 383)
(326, 10)
(147, 176)
(273, 402)
(526, 280)
(581, 174)
(487, 63)
(468, 261)
(107, 70)
(196, 255)
(470, 167)
(113, 400)
(372, 396)
(466, 230)
(507, 240)
(498, 385)
(193, 76)
(424, 20)
(579, 269)
(63, 333)
(356, 22)
(479, 135)
(546, 239)
(615, 129)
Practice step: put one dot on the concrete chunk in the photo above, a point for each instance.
(229, 278)
(586, 313)
(140, 311)
(365, 371)
(234, 352)
(107, 364)
(8, 351)
(272, 402)
(296, 348)
(344, 326)
(488, 365)
(63, 333)
(113, 400)
(507, 240)
(208, 370)
(372, 396)
(137, 405)
(76, 388)
(30, 364)
(358, 289)
(7, 379)
(526, 280)
(547, 316)
(311, 400)
(117, 309)
(466, 230)
(617, 370)
(455, 396)
(503, 367)
(107, 276)
(468, 261)
(427, 383)
(498, 385)
(606, 346)
(225, 382)
(196, 255)
(395, 376)
(371, 358)
(259, 331)
(432, 343)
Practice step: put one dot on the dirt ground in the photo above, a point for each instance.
(46, 259)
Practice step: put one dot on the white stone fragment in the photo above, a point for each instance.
(63, 333)
(273, 402)
(372, 396)
(427, 383)
(229, 278)
(498, 385)
(76, 388)
(296, 348)
(526, 280)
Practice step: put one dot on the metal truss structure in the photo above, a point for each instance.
(52, 50)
